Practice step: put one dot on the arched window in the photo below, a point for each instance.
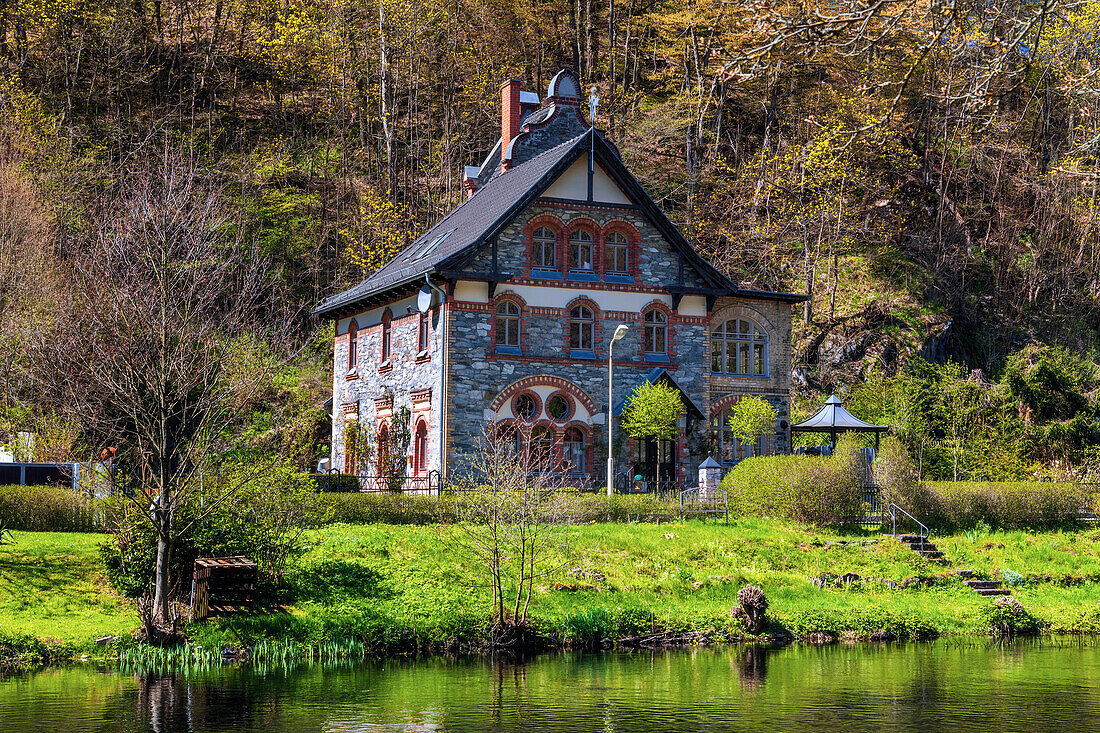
(728, 448)
(509, 440)
(580, 251)
(542, 450)
(422, 334)
(353, 344)
(656, 333)
(574, 451)
(387, 317)
(544, 246)
(615, 254)
(382, 457)
(582, 328)
(420, 448)
(507, 325)
(739, 347)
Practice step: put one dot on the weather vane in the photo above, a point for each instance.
(593, 103)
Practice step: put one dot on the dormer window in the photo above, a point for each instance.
(615, 254)
(544, 245)
(580, 251)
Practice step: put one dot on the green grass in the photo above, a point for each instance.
(52, 587)
(397, 587)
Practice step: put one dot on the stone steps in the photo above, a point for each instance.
(987, 587)
(923, 547)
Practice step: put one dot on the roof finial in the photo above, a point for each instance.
(593, 103)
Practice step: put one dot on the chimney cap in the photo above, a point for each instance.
(528, 98)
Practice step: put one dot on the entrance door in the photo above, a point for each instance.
(657, 463)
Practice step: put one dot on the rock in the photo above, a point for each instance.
(882, 635)
(104, 640)
(890, 584)
(848, 579)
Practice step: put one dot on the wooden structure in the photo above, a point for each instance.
(700, 501)
(222, 584)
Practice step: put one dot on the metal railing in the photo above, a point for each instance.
(893, 510)
(373, 483)
(698, 501)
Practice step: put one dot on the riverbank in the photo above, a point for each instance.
(406, 588)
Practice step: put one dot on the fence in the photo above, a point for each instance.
(373, 483)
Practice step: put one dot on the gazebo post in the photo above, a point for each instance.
(878, 435)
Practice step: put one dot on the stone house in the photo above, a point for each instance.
(500, 316)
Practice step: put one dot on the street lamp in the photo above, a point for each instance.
(619, 333)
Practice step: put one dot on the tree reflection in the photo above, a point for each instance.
(752, 666)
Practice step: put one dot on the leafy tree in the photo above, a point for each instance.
(750, 418)
(653, 411)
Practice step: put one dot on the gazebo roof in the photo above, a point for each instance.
(833, 418)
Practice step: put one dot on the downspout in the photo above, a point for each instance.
(443, 377)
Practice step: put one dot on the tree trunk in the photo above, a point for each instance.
(161, 589)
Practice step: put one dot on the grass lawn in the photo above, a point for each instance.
(52, 587)
(390, 582)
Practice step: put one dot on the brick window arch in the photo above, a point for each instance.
(387, 336)
(382, 453)
(420, 448)
(582, 328)
(574, 451)
(353, 344)
(544, 246)
(582, 249)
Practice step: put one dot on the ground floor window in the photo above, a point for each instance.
(574, 452)
(727, 448)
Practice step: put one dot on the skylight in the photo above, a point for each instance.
(435, 243)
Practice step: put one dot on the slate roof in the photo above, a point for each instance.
(658, 374)
(464, 226)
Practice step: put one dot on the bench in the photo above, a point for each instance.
(704, 502)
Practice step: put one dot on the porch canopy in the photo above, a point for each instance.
(832, 418)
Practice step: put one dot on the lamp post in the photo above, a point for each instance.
(619, 333)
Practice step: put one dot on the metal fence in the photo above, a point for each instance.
(372, 483)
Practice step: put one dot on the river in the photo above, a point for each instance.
(947, 685)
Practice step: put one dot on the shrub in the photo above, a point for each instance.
(811, 489)
(420, 509)
(338, 483)
(1007, 617)
(753, 607)
(958, 505)
(50, 509)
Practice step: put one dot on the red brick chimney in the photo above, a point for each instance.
(510, 116)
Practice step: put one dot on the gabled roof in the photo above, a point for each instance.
(659, 374)
(457, 237)
(833, 418)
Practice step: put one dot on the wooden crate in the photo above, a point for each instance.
(222, 584)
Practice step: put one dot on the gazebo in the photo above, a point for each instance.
(832, 418)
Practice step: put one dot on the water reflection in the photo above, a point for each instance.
(943, 685)
(752, 666)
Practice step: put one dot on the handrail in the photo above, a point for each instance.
(893, 509)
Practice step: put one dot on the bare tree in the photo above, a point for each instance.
(514, 510)
(160, 340)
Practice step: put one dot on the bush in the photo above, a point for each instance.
(1007, 617)
(947, 505)
(421, 509)
(263, 520)
(51, 509)
(810, 489)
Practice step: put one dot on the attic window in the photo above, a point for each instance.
(435, 243)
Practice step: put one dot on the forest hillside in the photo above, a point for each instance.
(926, 171)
